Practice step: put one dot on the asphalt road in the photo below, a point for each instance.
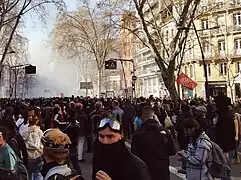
(87, 171)
(174, 165)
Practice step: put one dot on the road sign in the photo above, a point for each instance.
(86, 85)
(134, 78)
(110, 64)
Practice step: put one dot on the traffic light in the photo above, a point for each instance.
(30, 69)
(133, 86)
(110, 64)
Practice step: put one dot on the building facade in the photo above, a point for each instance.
(219, 30)
(218, 25)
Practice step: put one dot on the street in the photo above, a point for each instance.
(174, 165)
(87, 169)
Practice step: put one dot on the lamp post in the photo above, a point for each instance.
(134, 78)
(14, 69)
(202, 54)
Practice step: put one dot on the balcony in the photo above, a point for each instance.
(234, 4)
(205, 32)
(236, 29)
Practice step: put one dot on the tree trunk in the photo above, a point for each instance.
(8, 44)
(169, 82)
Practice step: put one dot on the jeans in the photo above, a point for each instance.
(34, 168)
(80, 147)
(231, 155)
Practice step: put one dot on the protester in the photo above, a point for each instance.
(111, 158)
(56, 152)
(198, 152)
(159, 142)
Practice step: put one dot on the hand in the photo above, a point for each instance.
(226, 155)
(181, 153)
(236, 139)
(101, 175)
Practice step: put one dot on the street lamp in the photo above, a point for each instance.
(202, 53)
(134, 78)
(29, 69)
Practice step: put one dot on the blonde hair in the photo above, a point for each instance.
(57, 137)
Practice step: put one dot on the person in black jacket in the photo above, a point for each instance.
(182, 139)
(73, 131)
(153, 144)
(225, 128)
(111, 158)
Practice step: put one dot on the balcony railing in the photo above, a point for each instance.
(235, 4)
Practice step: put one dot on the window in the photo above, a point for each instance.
(205, 24)
(185, 70)
(167, 35)
(237, 19)
(205, 47)
(191, 71)
(149, 82)
(204, 8)
(154, 81)
(236, 2)
(219, 5)
(238, 46)
(223, 69)
(238, 67)
(221, 45)
(209, 69)
(190, 49)
(172, 33)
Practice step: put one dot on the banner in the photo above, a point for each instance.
(186, 82)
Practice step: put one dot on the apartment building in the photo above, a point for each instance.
(219, 30)
(148, 73)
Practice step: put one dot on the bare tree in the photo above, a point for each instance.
(11, 16)
(150, 23)
(87, 30)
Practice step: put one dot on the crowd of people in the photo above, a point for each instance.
(46, 138)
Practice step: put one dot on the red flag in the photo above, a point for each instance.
(186, 82)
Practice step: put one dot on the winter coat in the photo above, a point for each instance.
(160, 147)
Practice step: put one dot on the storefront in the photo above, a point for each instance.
(216, 88)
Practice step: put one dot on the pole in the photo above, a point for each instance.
(10, 82)
(15, 83)
(134, 81)
(204, 63)
(86, 92)
(124, 75)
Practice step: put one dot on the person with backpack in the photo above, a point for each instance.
(159, 142)
(15, 140)
(198, 152)
(56, 152)
(32, 137)
(8, 158)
